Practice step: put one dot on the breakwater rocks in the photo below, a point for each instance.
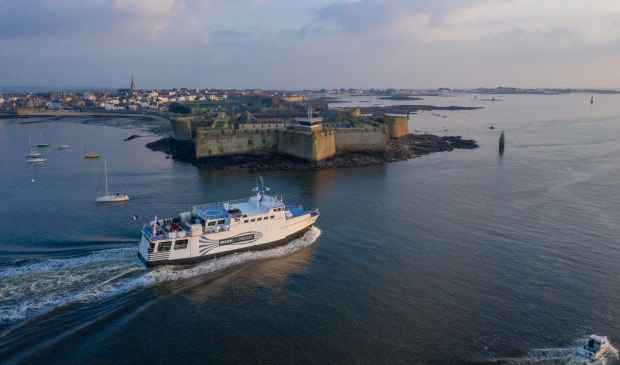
(400, 97)
(407, 109)
(404, 148)
(179, 150)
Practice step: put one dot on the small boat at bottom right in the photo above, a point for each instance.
(594, 347)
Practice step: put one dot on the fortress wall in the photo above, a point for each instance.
(360, 139)
(296, 144)
(398, 127)
(219, 143)
(309, 146)
(324, 144)
(181, 129)
(272, 126)
(185, 128)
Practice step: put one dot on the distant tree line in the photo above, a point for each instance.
(179, 109)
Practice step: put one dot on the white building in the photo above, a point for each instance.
(89, 96)
(54, 104)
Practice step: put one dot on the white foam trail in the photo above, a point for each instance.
(170, 273)
(567, 355)
(32, 289)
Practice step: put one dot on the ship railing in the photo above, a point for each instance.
(163, 235)
(219, 204)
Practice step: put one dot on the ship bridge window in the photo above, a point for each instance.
(253, 220)
(221, 221)
(259, 219)
(272, 217)
(211, 223)
(245, 221)
(164, 246)
(151, 246)
(180, 244)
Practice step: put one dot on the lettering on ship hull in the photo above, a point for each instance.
(207, 244)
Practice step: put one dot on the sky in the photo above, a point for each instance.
(310, 44)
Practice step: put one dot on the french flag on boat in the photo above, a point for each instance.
(135, 216)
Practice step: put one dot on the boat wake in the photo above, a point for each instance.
(32, 288)
(565, 356)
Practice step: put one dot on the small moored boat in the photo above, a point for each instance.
(32, 153)
(594, 347)
(111, 197)
(62, 146)
(42, 144)
(88, 154)
(36, 160)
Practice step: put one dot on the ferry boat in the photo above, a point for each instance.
(594, 347)
(218, 229)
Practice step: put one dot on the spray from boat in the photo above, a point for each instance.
(29, 289)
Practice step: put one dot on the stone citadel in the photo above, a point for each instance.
(311, 139)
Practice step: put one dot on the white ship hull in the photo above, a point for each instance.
(112, 198)
(278, 225)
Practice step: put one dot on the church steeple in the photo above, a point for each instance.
(133, 85)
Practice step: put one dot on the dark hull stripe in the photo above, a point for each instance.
(195, 259)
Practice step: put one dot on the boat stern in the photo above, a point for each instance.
(143, 248)
(593, 347)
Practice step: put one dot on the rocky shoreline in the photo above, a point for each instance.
(408, 109)
(404, 148)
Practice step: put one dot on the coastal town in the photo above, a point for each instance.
(133, 99)
(254, 129)
(142, 100)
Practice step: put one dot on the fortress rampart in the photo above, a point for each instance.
(276, 138)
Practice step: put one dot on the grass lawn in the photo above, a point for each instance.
(221, 125)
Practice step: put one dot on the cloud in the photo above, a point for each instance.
(265, 43)
(474, 20)
(150, 7)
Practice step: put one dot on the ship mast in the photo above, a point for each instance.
(105, 171)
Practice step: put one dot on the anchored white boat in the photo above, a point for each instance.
(113, 197)
(36, 160)
(63, 146)
(32, 153)
(218, 229)
(594, 347)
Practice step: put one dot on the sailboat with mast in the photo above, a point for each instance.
(32, 152)
(63, 146)
(88, 154)
(110, 197)
(42, 144)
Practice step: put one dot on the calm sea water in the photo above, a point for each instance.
(456, 257)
